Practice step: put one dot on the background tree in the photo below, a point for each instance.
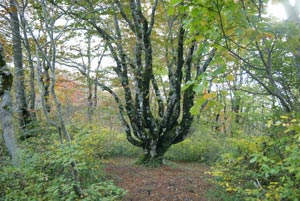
(21, 103)
(25, 8)
(259, 45)
(6, 79)
(46, 47)
(89, 62)
(293, 18)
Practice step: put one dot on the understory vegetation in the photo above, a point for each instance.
(244, 167)
(264, 167)
(45, 172)
(200, 81)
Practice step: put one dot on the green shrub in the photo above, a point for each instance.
(102, 142)
(263, 167)
(45, 174)
(95, 144)
(121, 147)
(199, 147)
(188, 150)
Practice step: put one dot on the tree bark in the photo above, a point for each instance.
(21, 104)
(32, 99)
(156, 133)
(45, 81)
(6, 116)
(153, 130)
(89, 80)
(51, 64)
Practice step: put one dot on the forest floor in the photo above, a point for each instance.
(172, 182)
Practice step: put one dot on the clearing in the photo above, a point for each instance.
(173, 182)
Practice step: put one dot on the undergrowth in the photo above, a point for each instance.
(45, 173)
(265, 167)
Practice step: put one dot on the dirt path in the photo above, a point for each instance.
(176, 182)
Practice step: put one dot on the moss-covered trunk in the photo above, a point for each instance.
(154, 152)
(6, 117)
(154, 113)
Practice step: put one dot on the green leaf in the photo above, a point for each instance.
(171, 11)
(254, 159)
(187, 85)
(175, 2)
(198, 88)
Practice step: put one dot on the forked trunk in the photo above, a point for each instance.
(154, 154)
(152, 120)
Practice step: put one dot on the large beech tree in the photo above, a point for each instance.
(140, 48)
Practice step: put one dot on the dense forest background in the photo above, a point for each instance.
(207, 81)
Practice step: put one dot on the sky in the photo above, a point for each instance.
(277, 10)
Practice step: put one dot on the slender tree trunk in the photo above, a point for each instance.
(62, 128)
(32, 96)
(45, 80)
(21, 104)
(95, 99)
(90, 101)
(89, 81)
(43, 86)
(6, 117)
(51, 62)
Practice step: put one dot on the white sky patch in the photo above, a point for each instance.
(276, 10)
(293, 2)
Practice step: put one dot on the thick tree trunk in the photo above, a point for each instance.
(6, 117)
(154, 152)
(7, 127)
(21, 104)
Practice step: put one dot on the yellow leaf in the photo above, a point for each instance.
(230, 77)
(230, 31)
(203, 23)
(224, 93)
(269, 124)
(209, 96)
(269, 35)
